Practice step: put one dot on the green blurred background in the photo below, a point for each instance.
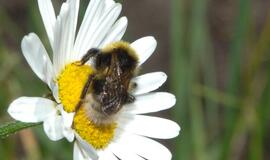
(216, 53)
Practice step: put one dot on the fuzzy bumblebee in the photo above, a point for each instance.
(108, 87)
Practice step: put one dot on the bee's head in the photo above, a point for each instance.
(127, 62)
(117, 58)
(103, 61)
(118, 55)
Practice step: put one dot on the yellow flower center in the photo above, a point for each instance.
(98, 135)
(71, 83)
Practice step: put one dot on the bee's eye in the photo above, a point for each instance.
(103, 61)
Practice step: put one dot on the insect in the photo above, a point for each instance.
(109, 86)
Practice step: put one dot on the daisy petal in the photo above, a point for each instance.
(68, 134)
(67, 119)
(37, 57)
(70, 29)
(123, 153)
(149, 82)
(60, 40)
(116, 33)
(53, 127)
(98, 32)
(151, 102)
(145, 147)
(105, 24)
(92, 14)
(154, 127)
(31, 109)
(106, 154)
(108, 4)
(48, 17)
(55, 93)
(89, 150)
(78, 153)
(144, 48)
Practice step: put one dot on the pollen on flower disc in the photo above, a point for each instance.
(71, 82)
(98, 135)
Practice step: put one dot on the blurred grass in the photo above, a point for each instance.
(17, 79)
(240, 130)
(239, 40)
(178, 62)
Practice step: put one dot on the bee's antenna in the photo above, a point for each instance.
(90, 53)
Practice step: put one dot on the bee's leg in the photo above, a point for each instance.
(90, 53)
(130, 98)
(87, 85)
(85, 90)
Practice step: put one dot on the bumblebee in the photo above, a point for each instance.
(107, 90)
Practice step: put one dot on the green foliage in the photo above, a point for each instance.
(226, 123)
(10, 128)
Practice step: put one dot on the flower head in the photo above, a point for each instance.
(123, 135)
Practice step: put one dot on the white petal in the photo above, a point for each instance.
(87, 148)
(92, 15)
(154, 127)
(124, 153)
(31, 109)
(65, 29)
(149, 82)
(95, 10)
(151, 102)
(145, 147)
(60, 39)
(144, 47)
(106, 155)
(67, 119)
(53, 127)
(55, 93)
(48, 17)
(37, 57)
(97, 33)
(116, 32)
(68, 134)
(108, 4)
(105, 24)
(70, 30)
(79, 153)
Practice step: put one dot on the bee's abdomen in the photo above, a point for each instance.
(111, 96)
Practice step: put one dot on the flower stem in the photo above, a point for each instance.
(12, 127)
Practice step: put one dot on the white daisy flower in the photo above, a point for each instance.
(126, 137)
